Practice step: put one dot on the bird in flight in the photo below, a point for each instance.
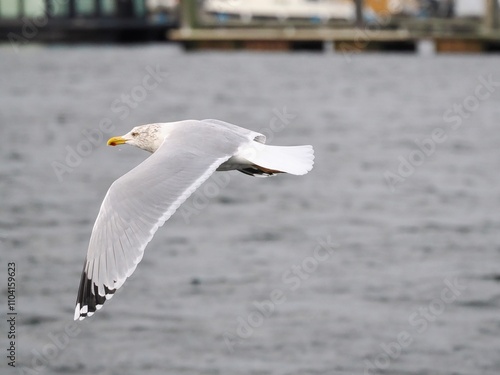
(184, 155)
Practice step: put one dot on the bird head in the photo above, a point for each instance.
(146, 137)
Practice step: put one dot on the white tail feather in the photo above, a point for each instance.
(297, 160)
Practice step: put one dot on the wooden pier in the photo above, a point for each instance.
(292, 39)
(404, 34)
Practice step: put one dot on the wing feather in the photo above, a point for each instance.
(259, 137)
(140, 201)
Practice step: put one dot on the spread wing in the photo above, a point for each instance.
(140, 201)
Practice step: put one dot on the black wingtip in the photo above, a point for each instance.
(88, 300)
(258, 171)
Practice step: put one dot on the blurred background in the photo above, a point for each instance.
(384, 259)
(462, 25)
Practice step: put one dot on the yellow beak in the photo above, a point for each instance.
(115, 141)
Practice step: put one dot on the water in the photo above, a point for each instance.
(359, 269)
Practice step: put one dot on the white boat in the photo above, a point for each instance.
(323, 10)
(154, 6)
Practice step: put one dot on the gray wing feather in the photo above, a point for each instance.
(261, 138)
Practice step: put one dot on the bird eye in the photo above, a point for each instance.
(135, 134)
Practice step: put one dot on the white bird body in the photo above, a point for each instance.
(185, 154)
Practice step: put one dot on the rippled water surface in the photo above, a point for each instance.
(384, 259)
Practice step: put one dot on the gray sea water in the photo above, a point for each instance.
(384, 259)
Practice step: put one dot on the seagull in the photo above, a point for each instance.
(184, 155)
